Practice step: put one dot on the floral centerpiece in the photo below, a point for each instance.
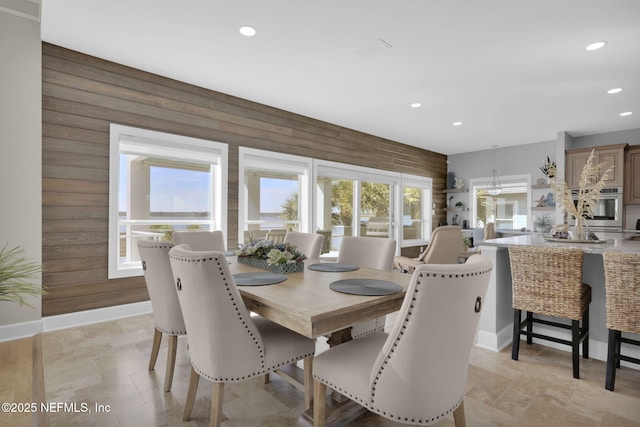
(592, 181)
(279, 257)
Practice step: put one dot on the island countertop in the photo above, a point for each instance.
(611, 242)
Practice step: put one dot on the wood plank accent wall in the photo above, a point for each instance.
(82, 95)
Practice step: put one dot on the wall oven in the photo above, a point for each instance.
(608, 213)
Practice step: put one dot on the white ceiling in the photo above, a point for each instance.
(514, 72)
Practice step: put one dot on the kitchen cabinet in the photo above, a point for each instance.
(632, 176)
(610, 155)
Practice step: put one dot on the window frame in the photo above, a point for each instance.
(271, 161)
(127, 139)
(425, 184)
(522, 179)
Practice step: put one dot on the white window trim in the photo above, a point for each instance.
(426, 184)
(484, 181)
(164, 145)
(361, 173)
(249, 158)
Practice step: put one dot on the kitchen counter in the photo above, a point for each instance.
(496, 321)
(608, 242)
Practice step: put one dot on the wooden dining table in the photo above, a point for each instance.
(306, 304)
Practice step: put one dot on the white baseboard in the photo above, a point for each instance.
(69, 320)
(16, 331)
(495, 342)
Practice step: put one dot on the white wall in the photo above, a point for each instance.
(21, 145)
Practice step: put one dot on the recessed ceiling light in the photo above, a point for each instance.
(457, 123)
(615, 90)
(247, 31)
(626, 113)
(596, 45)
(416, 105)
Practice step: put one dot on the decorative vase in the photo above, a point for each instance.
(278, 268)
(579, 231)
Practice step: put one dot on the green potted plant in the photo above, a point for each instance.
(15, 269)
(542, 224)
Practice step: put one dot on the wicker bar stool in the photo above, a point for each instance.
(622, 279)
(548, 281)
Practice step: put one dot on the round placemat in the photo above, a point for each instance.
(365, 287)
(258, 278)
(332, 266)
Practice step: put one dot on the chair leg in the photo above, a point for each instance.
(217, 395)
(612, 358)
(171, 361)
(529, 327)
(515, 345)
(155, 348)
(191, 395)
(458, 416)
(575, 347)
(319, 403)
(585, 332)
(618, 348)
(308, 382)
(267, 378)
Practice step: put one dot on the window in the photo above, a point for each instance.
(355, 201)
(274, 193)
(509, 210)
(416, 210)
(335, 199)
(160, 183)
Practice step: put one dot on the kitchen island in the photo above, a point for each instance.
(496, 323)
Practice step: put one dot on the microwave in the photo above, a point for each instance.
(608, 213)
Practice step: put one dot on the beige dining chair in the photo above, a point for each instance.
(276, 235)
(367, 252)
(444, 247)
(548, 281)
(226, 343)
(200, 240)
(416, 374)
(167, 314)
(309, 244)
(622, 287)
(489, 231)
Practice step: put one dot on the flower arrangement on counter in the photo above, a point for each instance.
(273, 253)
(592, 181)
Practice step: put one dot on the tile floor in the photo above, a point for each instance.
(106, 364)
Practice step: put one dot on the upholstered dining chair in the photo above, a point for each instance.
(367, 252)
(226, 343)
(622, 287)
(200, 240)
(276, 235)
(489, 231)
(416, 373)
(167, 314)
(548, 281)
(444, 247)
(309, 244)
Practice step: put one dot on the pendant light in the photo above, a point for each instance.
(494, 188)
